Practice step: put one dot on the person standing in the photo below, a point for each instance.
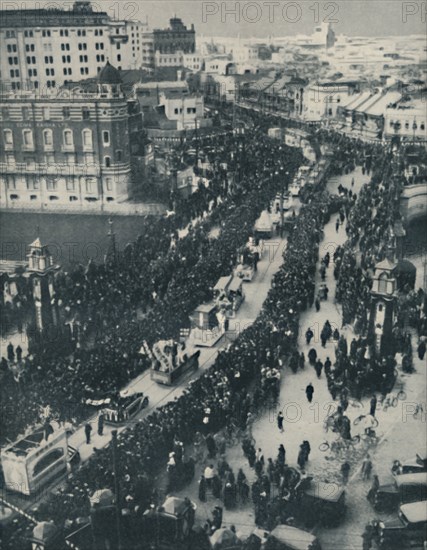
(317, 304)
(88, 430)
(309, 335)
(18, 353)
(309, 390)
(280, 419)
(101, 424)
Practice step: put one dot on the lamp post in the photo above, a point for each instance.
(116, 489)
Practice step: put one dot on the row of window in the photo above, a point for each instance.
(26, 111)
(190, 110)
(68, 138)
(70, 159)
(89, 185)
(72, 198)
(414, 125)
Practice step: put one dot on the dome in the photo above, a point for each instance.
(109, 75)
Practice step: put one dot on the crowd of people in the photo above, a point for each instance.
(145, 294)
(160, 286)
(211, 401)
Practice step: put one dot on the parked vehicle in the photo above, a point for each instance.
(402, 489)
(407, 530)
(413, 465)
(323, 503)
(285, 537)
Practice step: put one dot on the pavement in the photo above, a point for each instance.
(400, 434)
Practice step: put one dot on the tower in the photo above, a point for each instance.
(42, 270)
(383, 298)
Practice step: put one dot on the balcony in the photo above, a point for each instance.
(46, 169)
(119, 38)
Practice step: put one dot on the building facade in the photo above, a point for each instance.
(45, 48)
(69, 150)
(176, 38)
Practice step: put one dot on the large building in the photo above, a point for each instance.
(45, 48)
(70, 149)
(176, 38)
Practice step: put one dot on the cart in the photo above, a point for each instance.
(118, 408)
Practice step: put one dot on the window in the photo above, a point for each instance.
(10, 34)
(46, 113)
(119, 57)
(82, 46)
(66, 59)
(107, 162)
(84, 70)
(83, 58)
(89, 186)
(10, 182)
(106, 137)
(8, 137)
(422, 126)
(51, 184)
(48, 138)
(27, 138)
(73, 198)
(29, 47)
(45, 33)
(63, 32)
(68, 138)
(70, 185)
(87, 138)
(109, 184)
(50, 72)
(85, 113)
(118, 46)
(66, 112)
(32, 183)
(33, 197)
(119, 155)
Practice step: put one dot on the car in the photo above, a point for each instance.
(323, 503)
(285, 537)
(407, 530)
(414, 465)
(401, 489)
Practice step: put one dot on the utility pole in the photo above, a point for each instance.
(116, 490)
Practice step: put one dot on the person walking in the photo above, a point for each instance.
(318, 368)
(345, 472)
(337, 225)
(280, 419)
(317, 304)
(373, 405)
(309, 335)
(101, 424)
(366, 467)
(309, 390)
(88, 430)
(281, 457)
(421, 350)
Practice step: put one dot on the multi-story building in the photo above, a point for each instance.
(322, 99)
(45, 48)
(69, 150)
(176, 38)
(406, 120)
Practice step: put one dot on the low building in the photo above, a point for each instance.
(322, 99)
(406, 120)
(69, 149)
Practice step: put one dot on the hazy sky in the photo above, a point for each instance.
(265, 17)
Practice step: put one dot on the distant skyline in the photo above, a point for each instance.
(269, 17)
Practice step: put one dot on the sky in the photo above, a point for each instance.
(264, 18)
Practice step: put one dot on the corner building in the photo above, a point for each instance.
(70, 150)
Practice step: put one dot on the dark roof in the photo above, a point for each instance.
(109, 75)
